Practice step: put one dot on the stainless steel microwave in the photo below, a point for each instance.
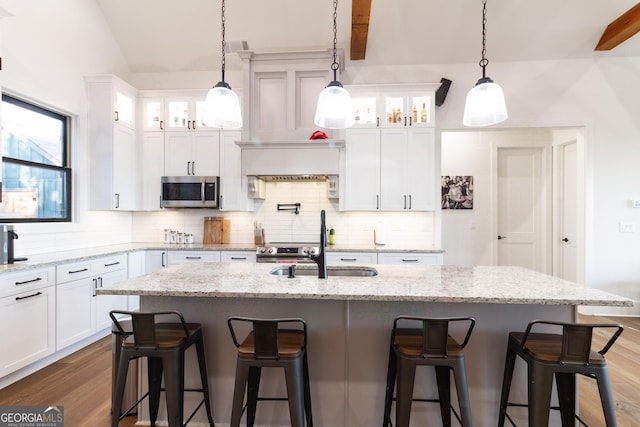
(190, 191)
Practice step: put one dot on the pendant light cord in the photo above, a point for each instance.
(335, 64)
(484, 61)
(223, 42)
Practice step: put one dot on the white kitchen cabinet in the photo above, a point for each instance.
(181, 257)
(351, 258)
(80, 312)
(393, 106)
(113, 166)
(237, 256)
(409, 258)
(136, 266)
(361, 184)
(233, 184)
(156, 260)
(407, 165)
(192, 153)
(389, 169)
(27, 311)
(152, 170)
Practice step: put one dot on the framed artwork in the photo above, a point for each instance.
(457, 192)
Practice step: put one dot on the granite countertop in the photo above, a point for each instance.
(75, 255)
(450, 284)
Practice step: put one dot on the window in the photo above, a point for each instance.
(36, 179)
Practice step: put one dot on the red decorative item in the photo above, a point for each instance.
(318, 135)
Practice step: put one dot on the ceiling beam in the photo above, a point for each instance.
(360, 11)
(624, 27)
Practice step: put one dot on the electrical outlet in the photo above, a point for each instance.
(627, 227)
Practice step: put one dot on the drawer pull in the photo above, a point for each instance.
(409, 260)
(37, 279)
(239, 258)
(28, 296)
(78, 271)
(193, 257)
(112, 264)
(348, 259)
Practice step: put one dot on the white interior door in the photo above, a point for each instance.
(520, 208)
(567, 252)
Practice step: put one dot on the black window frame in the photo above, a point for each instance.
(65, 169)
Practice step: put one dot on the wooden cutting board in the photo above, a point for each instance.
(216, 230)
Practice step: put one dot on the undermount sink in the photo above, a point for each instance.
(332, 270)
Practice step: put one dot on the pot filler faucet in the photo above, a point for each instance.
(321, 257)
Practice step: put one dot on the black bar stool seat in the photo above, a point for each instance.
(164, 345)
(429, 344)
(268, 345)
(563, 356)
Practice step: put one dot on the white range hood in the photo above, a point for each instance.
(299, 158)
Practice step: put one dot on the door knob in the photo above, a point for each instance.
(501, 237)
(565, 240)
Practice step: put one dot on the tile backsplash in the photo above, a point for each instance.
(351, 228)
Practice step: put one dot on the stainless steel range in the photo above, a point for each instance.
(285, 252)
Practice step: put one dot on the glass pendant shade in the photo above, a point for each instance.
(223, 108)
(334, 110)
(485, 104)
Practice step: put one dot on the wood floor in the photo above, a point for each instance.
(81, 383)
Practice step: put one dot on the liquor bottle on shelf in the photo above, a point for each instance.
(415, 114)
(423, 114)
(398, 116)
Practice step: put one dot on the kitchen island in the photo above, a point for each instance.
(349, 321)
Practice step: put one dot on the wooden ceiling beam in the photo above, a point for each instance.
(360, 12)
(622, 28)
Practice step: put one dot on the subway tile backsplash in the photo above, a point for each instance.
(351, 228)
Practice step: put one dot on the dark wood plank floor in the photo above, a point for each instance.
(81, 383)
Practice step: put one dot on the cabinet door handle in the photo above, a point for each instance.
(100, 282)
(188, 166)
(160, 202)
(410, 121)
(78, 271)
(193, 170)
(409, 201)
(189, 124)
(238, 258)
(116, 116)
(405, 120)
(377, 201)
(37, 279)
(193, 124)
(117, 200)
(565, 240)
(28, 296)
(161, 124)
(377, 122)
(405, 201)
(348, 259)
(193, 257)
(501, 237)
(409, 260)
(162, 259)
(112, 264)
(95, 286)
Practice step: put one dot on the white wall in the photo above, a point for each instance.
(48, 46)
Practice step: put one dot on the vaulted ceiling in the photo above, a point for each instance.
(172, 35)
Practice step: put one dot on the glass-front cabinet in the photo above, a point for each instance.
(404, 106)
(179, 113)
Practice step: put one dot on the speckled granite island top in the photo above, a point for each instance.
(484, 284)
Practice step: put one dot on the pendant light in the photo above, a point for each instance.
(223, 105)
(485, 102)
(334, 110)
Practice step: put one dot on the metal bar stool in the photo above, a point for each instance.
(268, 345)
(428, 344)
(564, 355)
(164, 346)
